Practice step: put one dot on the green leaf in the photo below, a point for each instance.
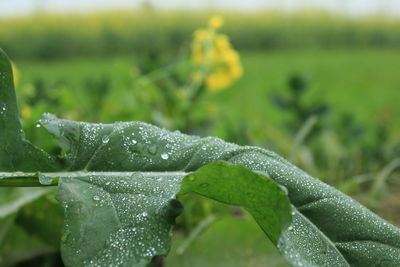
(329, 228)
(16, 153)
(236, 185)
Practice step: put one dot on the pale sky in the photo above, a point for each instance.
(350, 7)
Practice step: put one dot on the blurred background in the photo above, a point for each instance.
(317, 81)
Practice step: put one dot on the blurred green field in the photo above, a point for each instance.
(122, 32)
(351, 81)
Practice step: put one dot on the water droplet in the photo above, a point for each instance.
(290, 228)
(152, 149)
(105, 139)
(134, 142)
(144, 214)
(164, 156)
(37, 125)
(96, 198)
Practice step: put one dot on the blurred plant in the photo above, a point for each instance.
(172, 94)
(296, 106)
(345, 153)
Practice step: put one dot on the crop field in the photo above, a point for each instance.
(350, 81)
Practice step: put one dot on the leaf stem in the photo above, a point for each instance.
(25, 179)
(21, 180)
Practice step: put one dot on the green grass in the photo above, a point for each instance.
(364, 83)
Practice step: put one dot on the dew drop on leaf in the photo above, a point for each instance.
(105, 139)
(164, 156)
(2, 108)
(96, 198)
(152, 149)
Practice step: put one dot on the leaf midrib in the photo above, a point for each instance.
(4, 175)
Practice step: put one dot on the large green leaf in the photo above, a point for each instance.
(328, 227)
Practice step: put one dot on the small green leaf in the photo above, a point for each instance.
(236, 185)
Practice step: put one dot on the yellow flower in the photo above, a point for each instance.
(215, 22)
(217, 81)
(202, 35)
(222, 42)
(230, 56)
(236, 71)
(213, 54)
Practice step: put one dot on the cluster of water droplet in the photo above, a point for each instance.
(139, 205)
(3, 108)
